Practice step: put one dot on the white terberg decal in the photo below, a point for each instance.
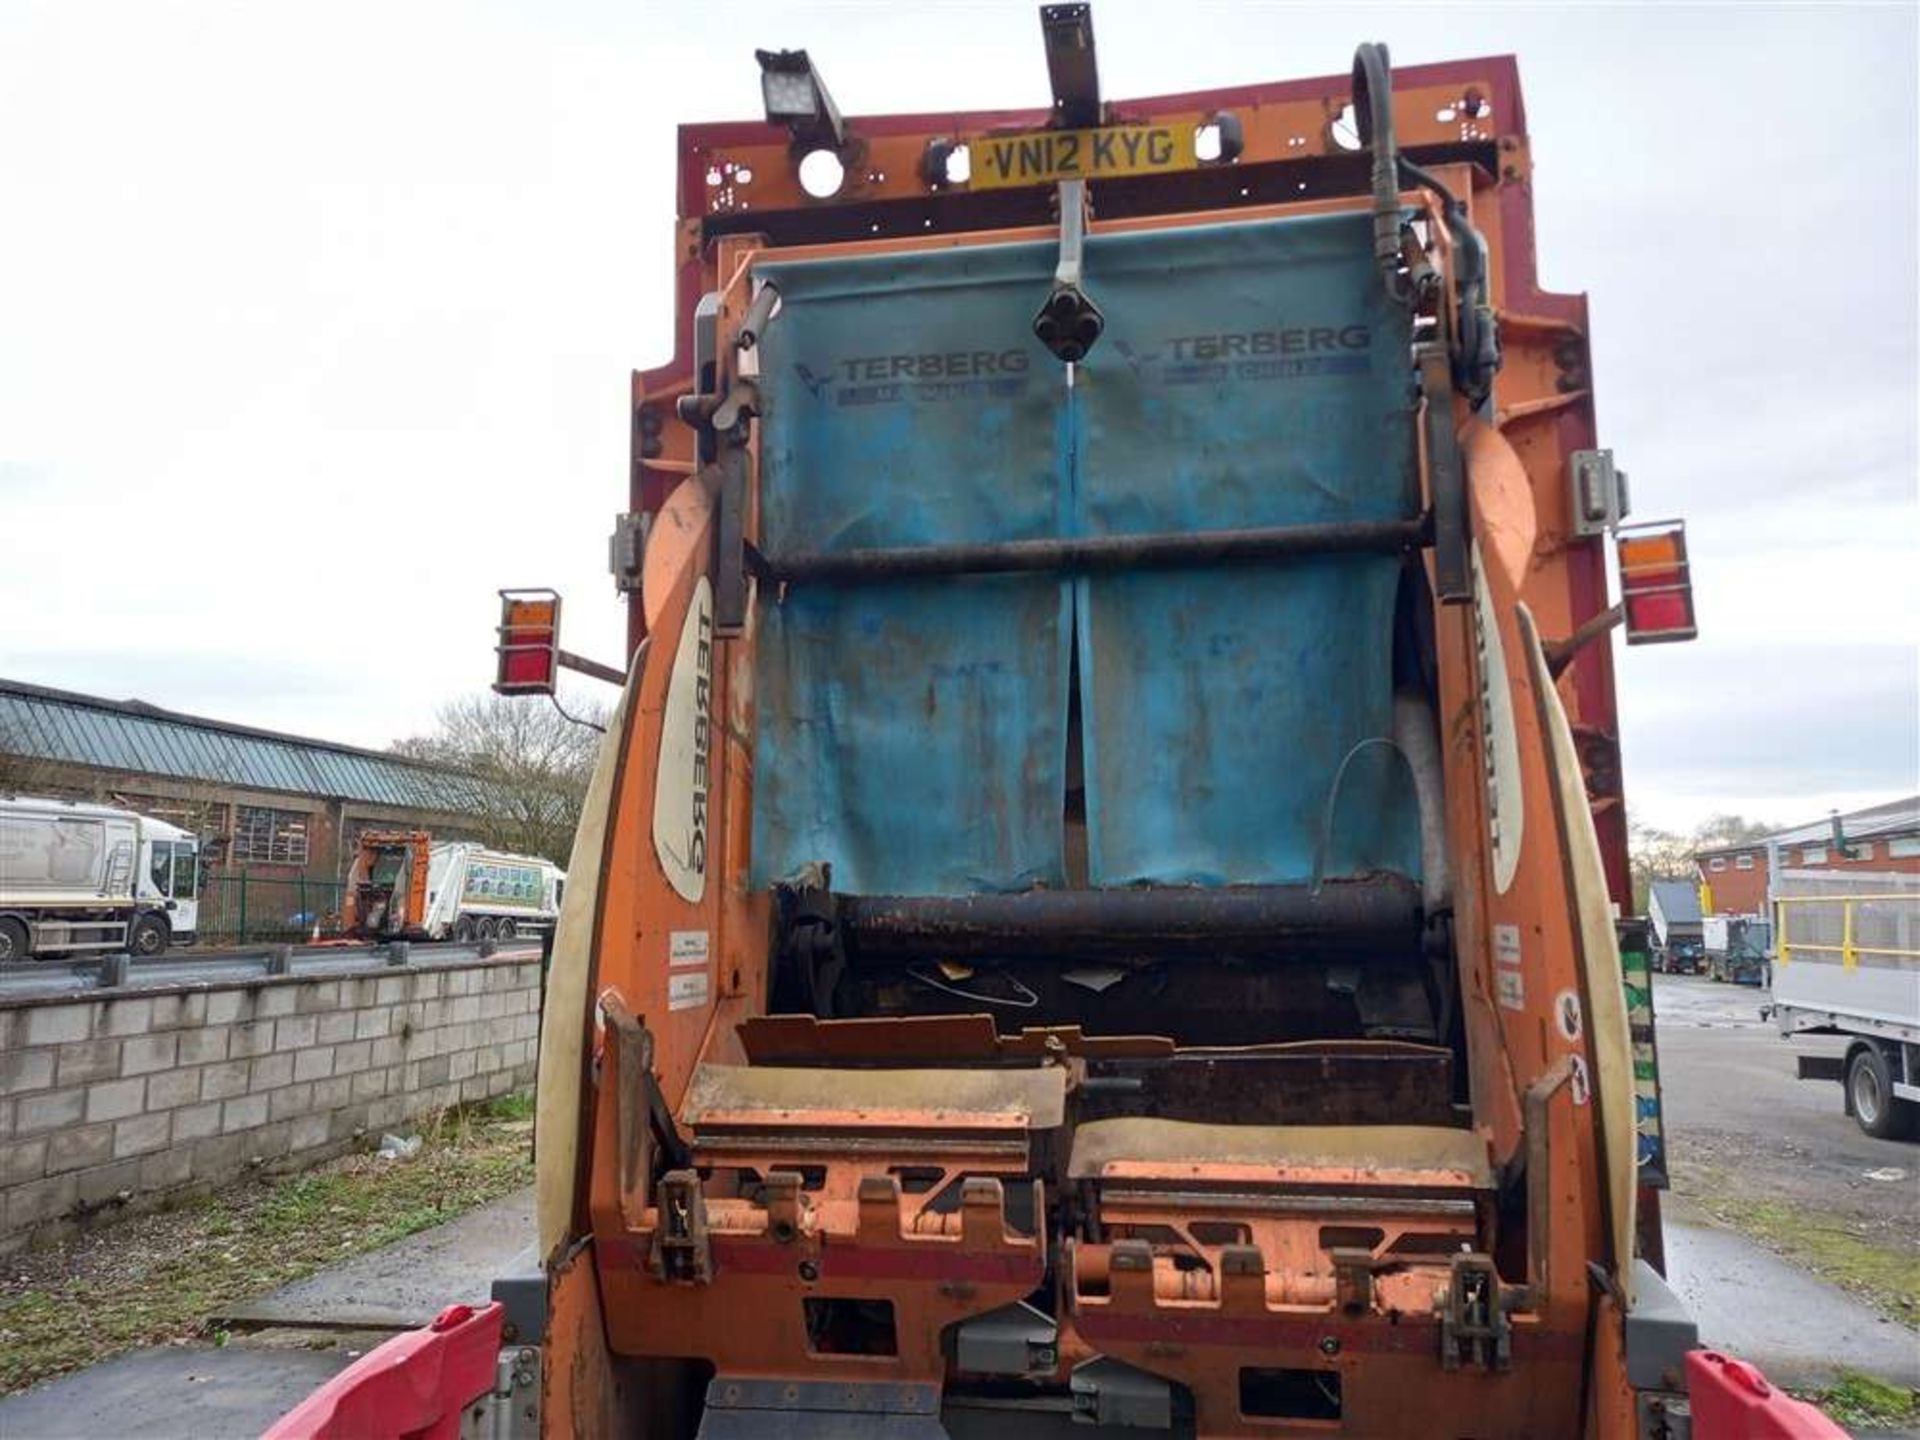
(1500, 743)
(684, 773)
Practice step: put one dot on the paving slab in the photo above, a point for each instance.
(1798, 1329)
(172, 1392)
(405, 1284)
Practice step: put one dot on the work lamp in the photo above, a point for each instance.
(794, 97)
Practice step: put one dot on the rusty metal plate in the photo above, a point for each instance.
(765, 1094)
(1399, 1154)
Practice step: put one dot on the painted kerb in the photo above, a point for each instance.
(113, 1103)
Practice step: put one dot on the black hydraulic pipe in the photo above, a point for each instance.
(1377, 915)
(1373, 117)
(1093, 554)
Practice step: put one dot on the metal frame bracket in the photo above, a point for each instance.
(1473, 1324)
(681, 1252)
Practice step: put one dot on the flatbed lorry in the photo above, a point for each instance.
(1847, 962)
(1095, 914)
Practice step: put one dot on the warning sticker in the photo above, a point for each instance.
(1512, 991)
(687, 947)
(1566, 1014)
(687, 992)
(1506, 944)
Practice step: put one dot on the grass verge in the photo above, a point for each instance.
(1862, 1402)
(153, 1279)
(1885, 1276)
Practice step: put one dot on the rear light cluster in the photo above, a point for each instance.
(1656, 583)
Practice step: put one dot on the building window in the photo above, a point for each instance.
(269, 837)
(1860, 850)
(1743, 862)
(1906, 847)
(1716, 865)
(200, 817)
(1813, 855)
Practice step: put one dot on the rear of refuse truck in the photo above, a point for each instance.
(385, 893)
(1095, 914)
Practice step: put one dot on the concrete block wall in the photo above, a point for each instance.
(116, 1102)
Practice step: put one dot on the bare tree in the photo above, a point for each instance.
(1658, 854)
(1655, 854)
(1728, 829)
(534, 761)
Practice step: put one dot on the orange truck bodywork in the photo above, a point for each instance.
(372, 910)
(759, 1220)
(1270, 1300)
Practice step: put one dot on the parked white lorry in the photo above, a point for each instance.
(77, 877)
(1847, 962)
(403, 885)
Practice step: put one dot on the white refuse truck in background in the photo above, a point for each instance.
(1847, 962)
(79, 877)
(403, 885)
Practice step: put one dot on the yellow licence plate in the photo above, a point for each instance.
(1046, 156)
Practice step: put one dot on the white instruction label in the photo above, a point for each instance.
(687, 947)
(1512, 991)
(1506, 944)
(687, 992)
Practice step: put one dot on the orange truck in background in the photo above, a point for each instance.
(386, 889)
(1096, 911)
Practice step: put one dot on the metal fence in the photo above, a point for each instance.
(240, 909)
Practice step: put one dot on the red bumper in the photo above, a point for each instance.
(1731, 1400)
(414, 1387)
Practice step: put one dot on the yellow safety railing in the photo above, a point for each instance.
(1848, 949)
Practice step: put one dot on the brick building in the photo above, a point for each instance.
(1877, 840)
(1733, 878)
(278, 807)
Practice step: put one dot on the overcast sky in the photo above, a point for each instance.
(315, 325)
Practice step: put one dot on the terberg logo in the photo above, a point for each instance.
(683, 776)
(1282, 353)
(1298, 340)
(702, 741)
(815, 384)
(942, 375)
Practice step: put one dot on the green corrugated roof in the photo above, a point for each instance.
(59, 725)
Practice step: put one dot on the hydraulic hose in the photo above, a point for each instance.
(1373, 115)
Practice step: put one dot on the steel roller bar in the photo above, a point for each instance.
(1097, 553)
(1370, 916)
